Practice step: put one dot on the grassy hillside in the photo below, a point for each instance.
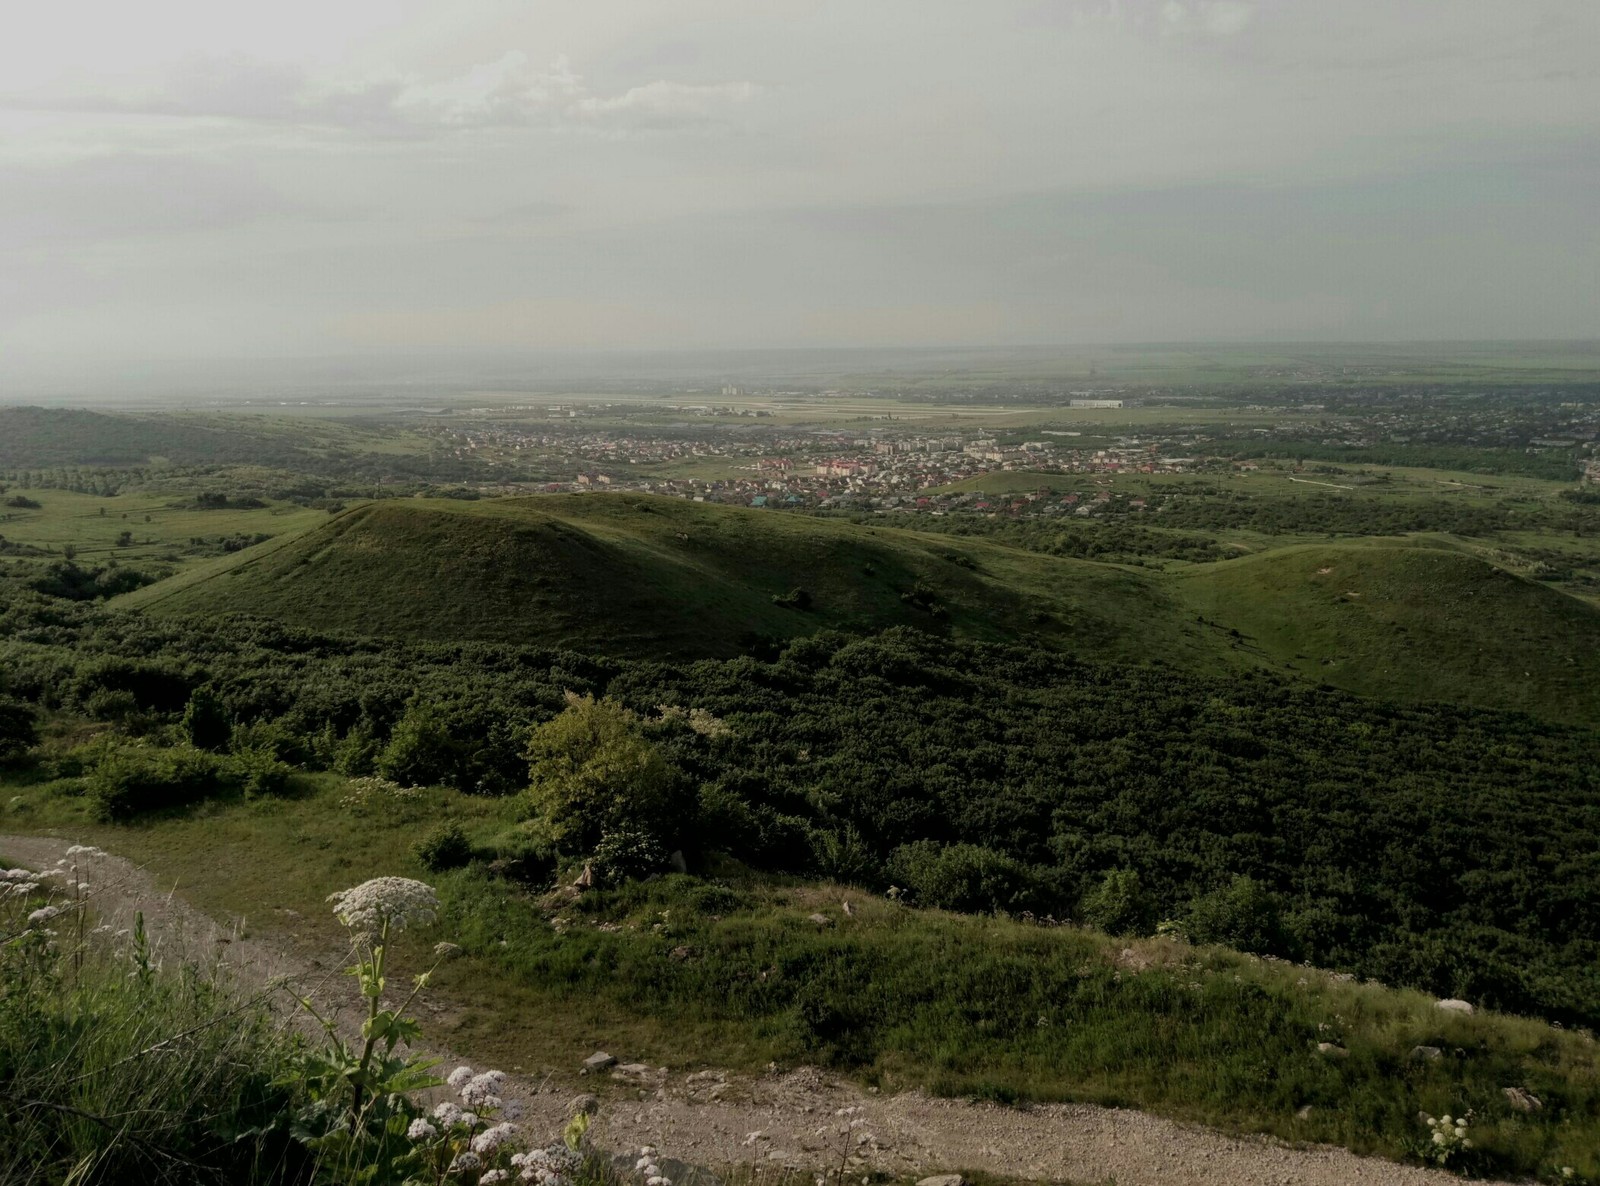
(624, 575)
(629, 575)
(1408, 623)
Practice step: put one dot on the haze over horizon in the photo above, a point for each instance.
(190, 183)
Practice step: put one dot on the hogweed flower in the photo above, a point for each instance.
(490, 1139)
(385, 905)
(421, 1130)
(459, 1076)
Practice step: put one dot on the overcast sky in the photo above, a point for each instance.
(202, 178)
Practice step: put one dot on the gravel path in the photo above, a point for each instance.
(715, 1118)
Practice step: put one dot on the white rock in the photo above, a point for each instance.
(943, 1180)
(1454, 1006)
(599, 1061)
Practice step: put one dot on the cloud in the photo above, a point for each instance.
(508, 92)
(1218, 18)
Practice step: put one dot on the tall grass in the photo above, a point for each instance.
(117, 1069)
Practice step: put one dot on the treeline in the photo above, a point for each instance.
(1556, 465)
(1430, 846)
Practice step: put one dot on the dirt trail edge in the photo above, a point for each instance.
(714, 1118)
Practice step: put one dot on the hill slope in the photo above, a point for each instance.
(1408, 623)
(624, 575)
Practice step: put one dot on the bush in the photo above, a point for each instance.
(206, 722)
(420, 752)
(19, 730)
(593, 773)
(259, 772)
(1119, 905)
(962, 877)
(444, 847)
(625, 855)
(1244, 914)
(131, 781)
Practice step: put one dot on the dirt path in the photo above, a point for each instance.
(715, 1118)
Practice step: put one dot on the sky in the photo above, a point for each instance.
(188, 179)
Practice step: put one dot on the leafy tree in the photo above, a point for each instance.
(1245, 914)
(420, 751)
(1119, 904)
(19, 730)
(961, 877)
(206, 722)
(592, 772)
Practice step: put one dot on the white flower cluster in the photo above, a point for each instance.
(547, 1167)
(399, 902)
(18, 882)
(646, 1165)
(1448, 1137)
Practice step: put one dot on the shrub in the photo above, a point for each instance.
(420, 752)
(627, 854)
(444, 847)
(357, 753)
(962, 877)
(593, 773)
(206, 722)
(19, 730)
(1119, 905)
(1244, 914)
(259, 772)
(130, 781)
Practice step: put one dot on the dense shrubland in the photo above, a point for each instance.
(1429, 846)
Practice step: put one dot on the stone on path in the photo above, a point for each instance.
(599, 1061)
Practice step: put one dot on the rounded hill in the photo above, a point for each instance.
(625, 574)
(1408, 623)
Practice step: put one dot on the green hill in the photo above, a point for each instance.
(626, 575)
(651, 576)
(1408, 623)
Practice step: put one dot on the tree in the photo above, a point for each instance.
(206, 722)
(19, 730)
(1119, 904)
(421, 751)
(591, 772)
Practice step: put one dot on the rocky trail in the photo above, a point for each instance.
(803, 1119)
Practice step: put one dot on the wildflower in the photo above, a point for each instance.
(464, 1162)
(392, 902)
(494, 1176)
(648, 1151)
(19, 888)
(491, 1139)
(447, 1114)
(459, 1076)
(85, 850)
(16, 874)
(421, 1130)
(44, 914)
(657, 1180)
(470, 1119)
(481, 1091)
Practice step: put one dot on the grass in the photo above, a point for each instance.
(1410, 622)
(161, 525)
(627, 574)
(1413, 619)
(686, 972)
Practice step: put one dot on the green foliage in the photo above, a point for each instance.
(626, 854)
(964, 877)
(445, 846)
(1119, 904)
(592, 772)
(259, 771)
(84, 1046)
(131, 780)
(419, 751)
(1245, 914)
(206, 722)
(19, 730)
